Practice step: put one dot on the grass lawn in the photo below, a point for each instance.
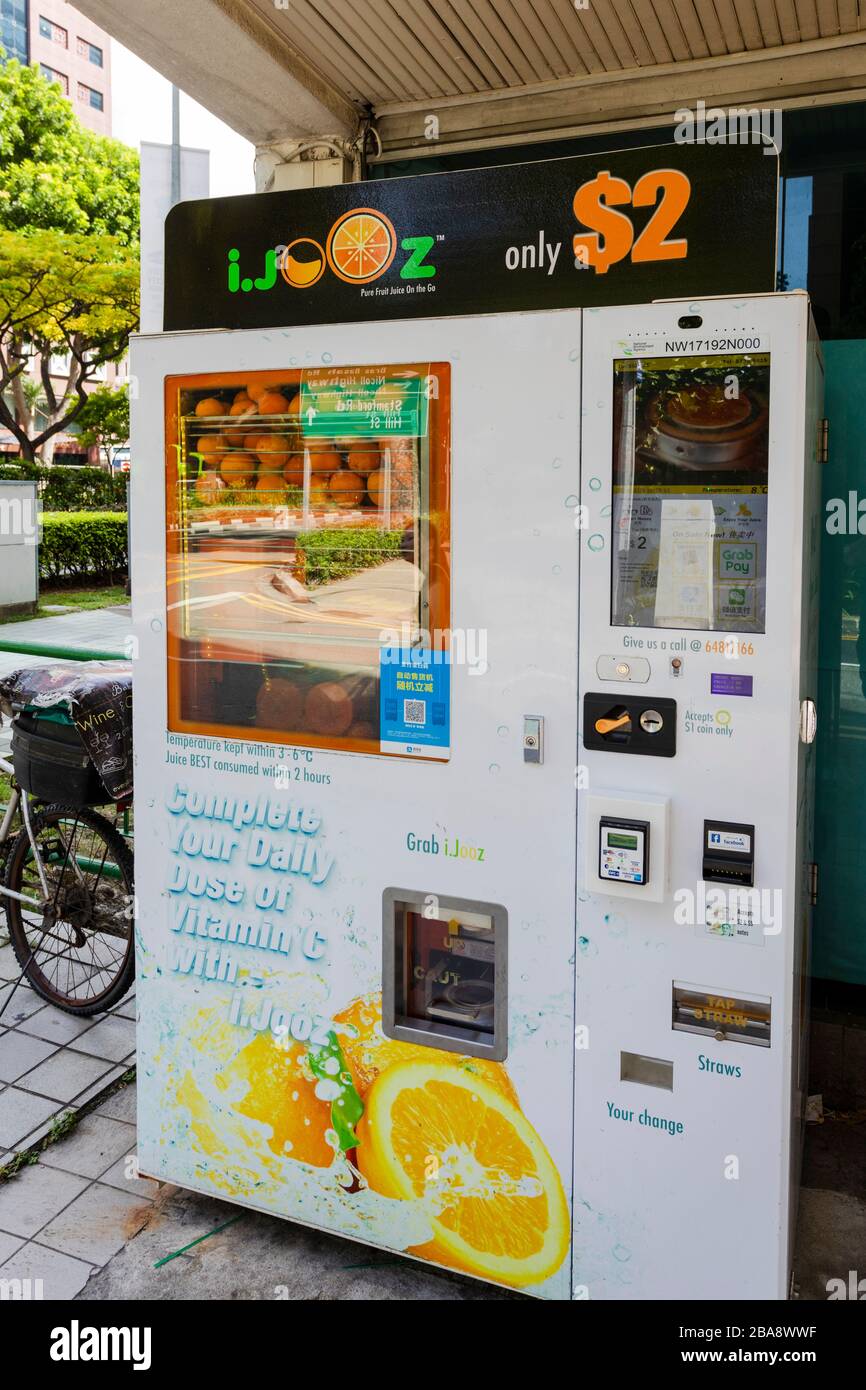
(76, 600)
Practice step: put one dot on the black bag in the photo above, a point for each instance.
(52, 764)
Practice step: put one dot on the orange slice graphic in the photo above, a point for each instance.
(301, 274)
(361, 246)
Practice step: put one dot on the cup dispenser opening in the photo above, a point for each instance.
(445, 973)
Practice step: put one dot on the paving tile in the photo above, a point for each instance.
(120, 1106)
(97, 1224)
(20, 1052)
(116, 1177)
(111, 1038)
(8, 1245)
(34, 1197)
(9, 967)
(41, 1131)
(94, 1145)
(25, 1004)
(94, 1091)
(128, 1008)
(62, 1276)
(66, 1075)
(55, 1025)
(20, 1113)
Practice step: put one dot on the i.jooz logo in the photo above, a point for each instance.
(360, 247)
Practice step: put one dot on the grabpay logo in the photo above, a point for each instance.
(77, 1343)
(360, 247)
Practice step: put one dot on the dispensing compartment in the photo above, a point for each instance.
(308, 555)
(445, 973)
(716, 1013)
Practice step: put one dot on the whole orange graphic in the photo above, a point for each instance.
(361, 246)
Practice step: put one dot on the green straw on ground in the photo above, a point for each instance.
(182, 1251)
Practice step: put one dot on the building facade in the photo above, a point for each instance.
(75, 53)
(13, 29)
(69, 49)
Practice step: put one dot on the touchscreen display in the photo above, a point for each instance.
(690, 452)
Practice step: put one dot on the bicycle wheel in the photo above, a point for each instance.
(77, 952)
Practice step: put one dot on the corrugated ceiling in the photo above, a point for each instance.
(382, 52)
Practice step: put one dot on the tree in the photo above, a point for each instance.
(69, 221)
(55, 174)
(103, 420)
(60, 294)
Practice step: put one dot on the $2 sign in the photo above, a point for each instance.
(613, 235)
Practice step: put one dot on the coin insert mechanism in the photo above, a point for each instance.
(627, 722)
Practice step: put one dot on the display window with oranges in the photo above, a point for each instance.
(307, 517)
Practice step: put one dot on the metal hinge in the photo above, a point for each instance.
(822, 445)
(813, 884)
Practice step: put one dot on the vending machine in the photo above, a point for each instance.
(474, 664)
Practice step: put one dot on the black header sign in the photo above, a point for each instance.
(665, 221)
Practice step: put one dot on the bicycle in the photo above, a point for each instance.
(69, 889)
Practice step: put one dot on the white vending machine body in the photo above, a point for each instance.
(477, 836)
(698, 621)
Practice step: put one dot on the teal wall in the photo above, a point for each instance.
(839, 938)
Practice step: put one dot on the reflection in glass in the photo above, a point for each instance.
(307, 528)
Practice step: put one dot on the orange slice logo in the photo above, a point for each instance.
(306, 270)
(361, 246)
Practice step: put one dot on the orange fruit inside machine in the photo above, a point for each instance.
(302, 522)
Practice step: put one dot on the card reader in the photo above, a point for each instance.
(623, 850)
(728, 853)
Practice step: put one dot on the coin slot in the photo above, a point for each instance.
(651, 721)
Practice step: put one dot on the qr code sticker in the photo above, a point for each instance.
(414, 712)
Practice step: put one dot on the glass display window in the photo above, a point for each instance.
(308, 537)
(690, 479)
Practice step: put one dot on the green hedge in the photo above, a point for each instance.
(83, 545)
(68, 488)
(327, 555)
